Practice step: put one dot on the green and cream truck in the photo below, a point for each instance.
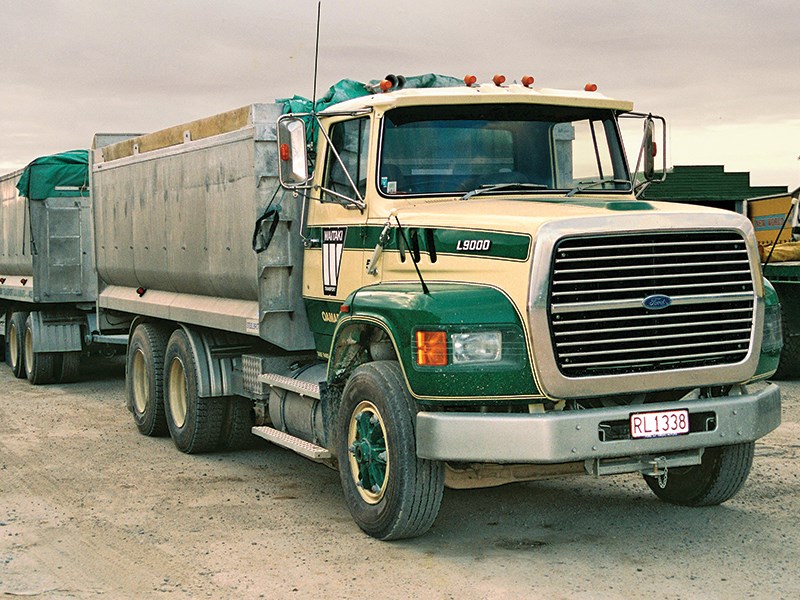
(445, 285)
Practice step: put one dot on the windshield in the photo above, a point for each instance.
(455, 149)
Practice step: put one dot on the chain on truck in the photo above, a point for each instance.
(449, 284)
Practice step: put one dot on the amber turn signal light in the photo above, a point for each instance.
(432, 348)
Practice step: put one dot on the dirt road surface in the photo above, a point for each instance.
(91, 509)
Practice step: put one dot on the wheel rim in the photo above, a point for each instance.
(177, 392)
(140, 387)
(13, 345)
(368, 452)
(28, 350)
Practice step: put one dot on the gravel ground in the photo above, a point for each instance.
(89, 508)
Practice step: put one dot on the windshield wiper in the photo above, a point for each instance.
(585, 185)
(494, 187)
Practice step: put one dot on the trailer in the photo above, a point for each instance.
(48, 282)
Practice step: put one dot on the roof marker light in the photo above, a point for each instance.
(392, 82)
(590, 87)
(527, 80)
(470, 80)
(499, 79)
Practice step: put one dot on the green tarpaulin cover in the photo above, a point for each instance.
(348, 89)
(58, 175)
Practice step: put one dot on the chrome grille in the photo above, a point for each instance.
(598, 320)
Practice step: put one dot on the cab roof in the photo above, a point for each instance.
(486, 93)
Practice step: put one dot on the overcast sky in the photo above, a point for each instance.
(725, 74)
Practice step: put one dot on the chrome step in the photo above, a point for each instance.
(295, 444)
(303, 388)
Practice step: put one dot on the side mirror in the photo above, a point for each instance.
(292, 152)
(649, 149)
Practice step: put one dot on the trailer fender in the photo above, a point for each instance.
(56, 332)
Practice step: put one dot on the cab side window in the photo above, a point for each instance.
(350, 139)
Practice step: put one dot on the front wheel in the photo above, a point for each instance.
(391, 493)
(718, 478)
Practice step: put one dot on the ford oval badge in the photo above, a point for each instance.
(657, 302)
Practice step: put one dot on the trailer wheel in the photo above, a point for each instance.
(391, 493)
(718, 478)
(237, 424)
(195, 423)
(144, 378)
(40, 367)
(68, 368)
(15, 342)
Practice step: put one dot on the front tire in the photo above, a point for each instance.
(195, 423)
(718, 478)
(391, 493)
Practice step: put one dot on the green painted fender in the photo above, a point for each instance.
(402, 309)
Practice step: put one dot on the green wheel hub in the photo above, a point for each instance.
(369, 456)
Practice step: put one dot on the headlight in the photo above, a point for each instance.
(773, 329)
(485, 346)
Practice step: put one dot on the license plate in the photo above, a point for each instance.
(659, 424)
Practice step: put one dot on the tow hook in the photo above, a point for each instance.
(660, 470)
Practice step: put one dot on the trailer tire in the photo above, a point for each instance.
(391, 493)
(237, 424)
(144, 378)
(195, 423)
(718, 478)
(68, 367)
(40, 367)
(15, 343)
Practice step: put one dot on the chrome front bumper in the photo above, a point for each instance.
(569, 436)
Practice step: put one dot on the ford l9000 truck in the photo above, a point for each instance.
(445, 286)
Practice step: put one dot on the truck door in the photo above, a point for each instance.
(334, 258)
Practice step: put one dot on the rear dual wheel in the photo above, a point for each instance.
(40, 367)
(15, 342)
(162, 386)
(144, 378)
(195, 423)
(68, 367)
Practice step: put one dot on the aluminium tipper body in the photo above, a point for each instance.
(174, 214)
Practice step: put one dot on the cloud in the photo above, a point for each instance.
(72, 68)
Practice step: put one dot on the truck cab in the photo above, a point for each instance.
(480, 252)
